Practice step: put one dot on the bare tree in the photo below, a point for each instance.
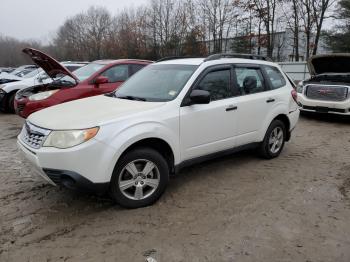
(319, 10)
(218, 17)
(266, 10)
(83, 35)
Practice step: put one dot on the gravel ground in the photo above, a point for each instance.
(237, 208)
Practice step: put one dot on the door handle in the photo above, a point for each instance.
(270, 100)
(231, 108)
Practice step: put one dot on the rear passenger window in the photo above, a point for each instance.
(249, 80)
(217, 83)
(275, 76)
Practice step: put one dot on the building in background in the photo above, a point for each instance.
(283, 51)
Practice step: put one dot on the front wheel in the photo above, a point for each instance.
(274, 140)
(139, 178)
(8, 103)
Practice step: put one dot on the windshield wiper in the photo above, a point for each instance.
(132, 98)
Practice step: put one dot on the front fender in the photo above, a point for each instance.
(125, 137)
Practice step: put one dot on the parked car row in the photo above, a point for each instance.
(22, 78)
(171, 114)
(54, 83)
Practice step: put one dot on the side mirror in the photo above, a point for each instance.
(101, 80)
(200, 97)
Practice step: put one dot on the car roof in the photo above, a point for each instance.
(200, 61)
(119, 61)
(72, 63)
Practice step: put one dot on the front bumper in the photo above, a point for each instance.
(25, 108)
(320, 106)
(80, 168)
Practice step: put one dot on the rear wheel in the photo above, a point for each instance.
(274, 140)
(140, 178)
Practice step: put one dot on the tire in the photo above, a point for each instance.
(271, 146)
(130, 172)
(10, 106)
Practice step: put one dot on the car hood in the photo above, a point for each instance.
(52, 67)
(331, 63)
(88, 112)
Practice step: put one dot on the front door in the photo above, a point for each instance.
(209, 128)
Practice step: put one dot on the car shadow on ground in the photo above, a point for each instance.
(330, 118)
(83, 202)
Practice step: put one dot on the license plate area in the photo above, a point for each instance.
(322, 109)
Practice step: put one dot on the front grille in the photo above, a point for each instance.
(20, 107)
(34, 136)
(327, 92)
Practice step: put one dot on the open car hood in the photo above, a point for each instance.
(52, 67)
(330, 63)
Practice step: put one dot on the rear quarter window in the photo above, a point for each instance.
(276, 77)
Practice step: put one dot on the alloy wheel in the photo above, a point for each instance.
(276, 140)
(139, 179)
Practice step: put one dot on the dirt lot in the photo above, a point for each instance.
(239, 208)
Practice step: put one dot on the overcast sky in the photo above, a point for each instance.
(39, 19)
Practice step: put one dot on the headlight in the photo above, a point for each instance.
(42, 96)
(300, 87)
(67, 139)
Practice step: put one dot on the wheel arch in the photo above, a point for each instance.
(285, 120)
(158, 144)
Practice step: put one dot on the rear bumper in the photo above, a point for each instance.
(293, 120)
(320, 106)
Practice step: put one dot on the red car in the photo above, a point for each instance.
(96, 78)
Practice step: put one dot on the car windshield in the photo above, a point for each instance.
(86, 71)
(156, 83)
(18, 70)
(31, 73)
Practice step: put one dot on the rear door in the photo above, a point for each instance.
(254, 102)
(210, 128)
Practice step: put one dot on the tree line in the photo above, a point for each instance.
(339, 37)
(182, 28)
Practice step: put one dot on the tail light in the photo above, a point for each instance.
(294, 95)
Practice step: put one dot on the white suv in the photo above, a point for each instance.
(169, 115)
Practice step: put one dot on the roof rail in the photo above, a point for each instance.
(175, 57)
(242, 56)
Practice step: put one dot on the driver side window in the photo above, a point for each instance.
(117, 73)
(217, 83)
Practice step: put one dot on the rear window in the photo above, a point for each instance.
(275, 76)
